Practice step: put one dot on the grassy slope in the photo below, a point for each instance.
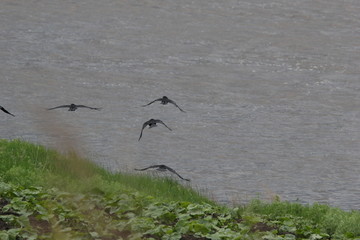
(46, 195)
(33, 165)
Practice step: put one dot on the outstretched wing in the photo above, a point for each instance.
(62, 106)
(6, 111)
(143, 169)
(173, 171)
(159, 99)
(144, 125)
(171, 101)
(140, 134)
(159, 121)
(83, 106)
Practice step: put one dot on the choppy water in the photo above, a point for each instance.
(271, 89)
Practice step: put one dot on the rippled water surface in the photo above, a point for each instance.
(270, 90)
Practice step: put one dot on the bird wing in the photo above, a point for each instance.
(171, 101)
(159, 99)
(141, 169)
(62, 106)
(163, 167)
(141, 134)
(6, 111)
(83, 106)
(159, 121)
(144, 126)
(152, 166)
(173, 171)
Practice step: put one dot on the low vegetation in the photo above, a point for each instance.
(26, 164)
(46, 195)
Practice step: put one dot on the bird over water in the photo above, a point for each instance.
(164, 100)
(163, 168)
(6, 111)
(152, 123)
(73, 107)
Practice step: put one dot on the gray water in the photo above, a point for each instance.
(270, 90)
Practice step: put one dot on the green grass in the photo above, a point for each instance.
(47, 195)
(26, 164)
(333, 221)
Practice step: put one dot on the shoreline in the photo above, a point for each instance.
(54, 196)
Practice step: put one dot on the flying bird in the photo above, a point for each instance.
(163, 168)
(164, 100)
(152, 123)
(6, 111)
(73, 107)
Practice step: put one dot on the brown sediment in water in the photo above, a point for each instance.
(65, 140)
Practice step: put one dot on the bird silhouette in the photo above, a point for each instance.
(152, 123)
(164, 100)
(163, 168)
(6, 111)
(73, 107)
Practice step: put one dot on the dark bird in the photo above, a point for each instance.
(73, 107)
(152, 123)
(163, 168)
(6, 111)
(164, 100)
